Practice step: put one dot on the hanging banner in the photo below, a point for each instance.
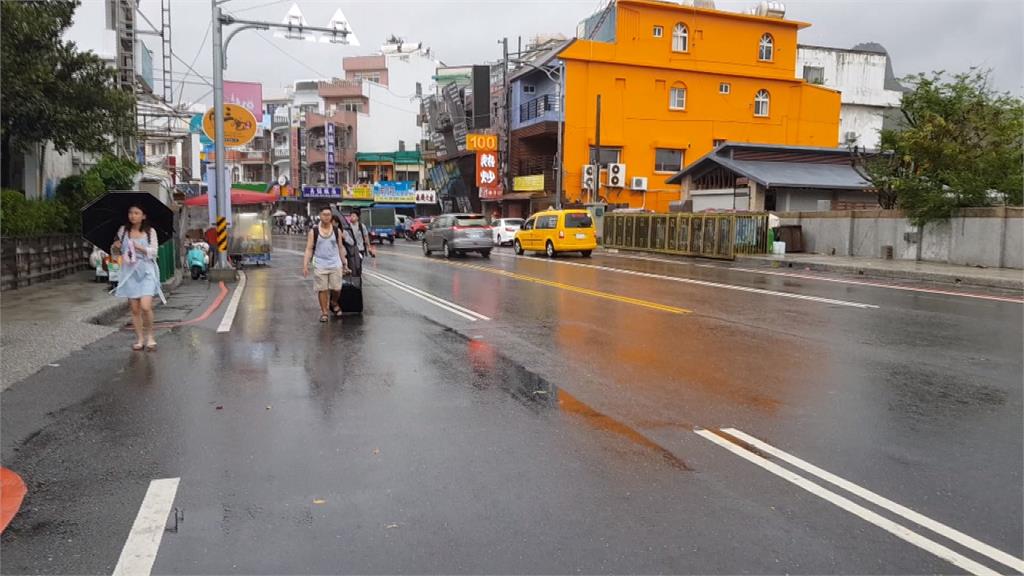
(360, 192)
(293, 150)
(487, 169)
(394, 192)
(426, 197)
(329, 168)
(321, 192)
(248, 95)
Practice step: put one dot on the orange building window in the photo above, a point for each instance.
(677, 98)
(680, 38)
(766, 53)
(761, 103)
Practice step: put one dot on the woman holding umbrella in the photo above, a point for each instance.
(140, 277)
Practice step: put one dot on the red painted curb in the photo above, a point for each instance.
(12, 492)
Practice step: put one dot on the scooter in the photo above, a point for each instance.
(197, 259)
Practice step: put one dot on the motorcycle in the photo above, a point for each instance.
(197, 259)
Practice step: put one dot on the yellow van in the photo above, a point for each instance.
(554, 231)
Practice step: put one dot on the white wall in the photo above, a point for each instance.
(393, 109)
(55, 167)
(860, 77)
(391, 118)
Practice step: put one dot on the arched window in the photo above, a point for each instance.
(761, 103)
(677, 97)
(767, 48)
(680, 38)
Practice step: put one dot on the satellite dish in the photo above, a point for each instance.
(340, 23)
(295, 22)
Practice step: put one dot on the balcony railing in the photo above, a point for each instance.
(538, 107)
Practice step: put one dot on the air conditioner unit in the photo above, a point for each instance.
(589, 179)
(850, 137)
(638, 183)
(616, 175)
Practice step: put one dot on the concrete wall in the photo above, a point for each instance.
(989, 237)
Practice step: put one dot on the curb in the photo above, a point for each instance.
(119, 307)
(942, 278)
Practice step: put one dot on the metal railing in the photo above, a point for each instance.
(707, 235)
(537, 107)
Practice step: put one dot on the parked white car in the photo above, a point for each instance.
(504, 230)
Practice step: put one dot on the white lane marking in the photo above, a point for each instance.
(140, 549)
(706, 283)
(824, 279)
(229, 314)
(933, 525)
(893, 528)
(435, 300)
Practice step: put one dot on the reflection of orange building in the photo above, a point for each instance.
(676, 80)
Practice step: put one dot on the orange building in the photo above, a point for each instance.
(675, 81)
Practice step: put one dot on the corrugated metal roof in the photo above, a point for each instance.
(786, 174)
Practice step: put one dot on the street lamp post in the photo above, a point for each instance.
(560, 97)
(220, 47)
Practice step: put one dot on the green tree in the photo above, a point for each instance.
(51, 91)
(962, 145)
(116, 173)
(22, 217)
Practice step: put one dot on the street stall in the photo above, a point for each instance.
(249, 242)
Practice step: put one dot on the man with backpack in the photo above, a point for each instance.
(326, 249)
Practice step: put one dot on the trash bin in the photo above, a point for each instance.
(779, 248)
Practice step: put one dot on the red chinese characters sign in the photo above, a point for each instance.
(487, 168)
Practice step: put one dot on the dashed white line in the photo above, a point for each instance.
(708, 284)
(140, 549)
(933, 525)
(229, 314)
(893, 528)
(449, 306)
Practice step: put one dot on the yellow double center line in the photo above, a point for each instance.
(568, 287)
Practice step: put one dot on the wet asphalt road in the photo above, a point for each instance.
(556, 436)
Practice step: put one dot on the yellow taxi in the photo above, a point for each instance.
(554, 231)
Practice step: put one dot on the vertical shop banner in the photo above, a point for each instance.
(296, 165)
(487, 168)
(329, 169)
(248, 95)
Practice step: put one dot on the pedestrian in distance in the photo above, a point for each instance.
(357, 235)
(139, 281)
(289, 220)
(325, 248)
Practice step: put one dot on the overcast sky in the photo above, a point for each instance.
(919, 35)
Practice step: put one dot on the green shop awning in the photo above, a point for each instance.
(357, 203)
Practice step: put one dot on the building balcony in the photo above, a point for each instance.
(253, 156)
(540, 109)
(282, 150)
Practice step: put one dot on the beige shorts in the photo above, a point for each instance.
(329, 279)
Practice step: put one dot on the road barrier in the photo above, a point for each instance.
(688, 234)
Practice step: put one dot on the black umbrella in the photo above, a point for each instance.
(102, 218)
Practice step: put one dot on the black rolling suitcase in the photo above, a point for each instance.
(351, 298)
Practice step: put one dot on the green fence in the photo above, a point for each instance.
(688, 234)
(166, 257)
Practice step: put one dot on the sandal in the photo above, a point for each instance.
(151, 347)
(137, 347)
(337, 311)
(323, 318)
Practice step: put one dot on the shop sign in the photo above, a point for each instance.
(321, 192)
(534, 183)
(361, 192)
(426, 197)
(394, 192)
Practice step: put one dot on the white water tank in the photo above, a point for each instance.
(771, 9)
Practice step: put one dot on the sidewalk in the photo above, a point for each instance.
(1003, 278)
(43, 323)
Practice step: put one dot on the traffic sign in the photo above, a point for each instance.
(239, 125)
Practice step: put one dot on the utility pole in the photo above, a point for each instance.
(597, 145)
(507, 136)
(220, 45)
